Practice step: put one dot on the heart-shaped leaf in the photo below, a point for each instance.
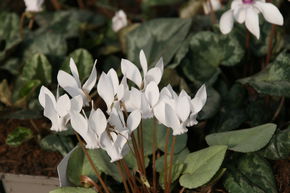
(245, 140)
(250, 173)
(202, 165)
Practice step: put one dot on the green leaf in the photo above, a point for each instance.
(9, 32)
(78, 165)
(18, 136)
(245, 140)
(73, 190)
(207, 51)
(274, 80)
(51, 45)
(69, 22)
(55, 142)
(37, 67)
(83, 60)
(250, 174)
(278, 147)
(148, 126)
(158, 38)
(177, 166)
(202, 165)
(151, 3)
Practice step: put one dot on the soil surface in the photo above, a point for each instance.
(28, 158)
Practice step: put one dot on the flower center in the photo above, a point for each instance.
(248, 1)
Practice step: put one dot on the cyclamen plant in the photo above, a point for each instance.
(111, 130)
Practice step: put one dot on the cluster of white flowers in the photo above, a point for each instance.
(247, 11)
(126, 106)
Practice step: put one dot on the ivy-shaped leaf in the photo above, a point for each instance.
(250, 173)
(245, 140)
(202, 165)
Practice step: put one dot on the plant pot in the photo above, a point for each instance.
(28, 184)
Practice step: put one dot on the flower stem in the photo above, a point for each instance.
(165, 160)
(123, 177)
(171, 161)
(56, 4)
(154, 158)
(270, 44)
(212, 13)
(92, 164)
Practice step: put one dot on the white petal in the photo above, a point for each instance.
(143, 62)
(154, 74)
(240, 15)
(49, 110)
(114, 78)
(227, 22)
(160, 65)
(41, 97)
(77, 103)
(183, 108)
(98, 121)
(133, 120)
(106, 90)
(74, 71)
(131, 72)
(171, 118)
(252, 22)
(79, 123)
(90, 83)
(133, 102)
(270, 12)
(152, 93)
(68, 83)
(199, 99)
(159, 112)
(63, 105)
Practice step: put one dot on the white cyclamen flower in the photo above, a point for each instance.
(216, 5)
(131, 72)
(89, 128)
(109, 88)
(57, 109)
(247, 11)
(33, 5)
(179, 111)
(119, 21)
(115, 138)
(72, 84)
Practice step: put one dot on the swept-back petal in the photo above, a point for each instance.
(112, 74)
(199, 99)
(240, 15)
(41, 97)
(49, 110)
(252, 21)
(143, 62)
(74, 71)
(90, 83)
(183, 108)
(68, 83)
(171, 119)
(79, 124)
(77, 103)
(63, 105)
(227, 22)
(131, 72)
(98, 121)
(106, 90)
(270, 12)
(154, 74)
(133, 101)
(133, 120)
(160, 65)
(152, 93)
